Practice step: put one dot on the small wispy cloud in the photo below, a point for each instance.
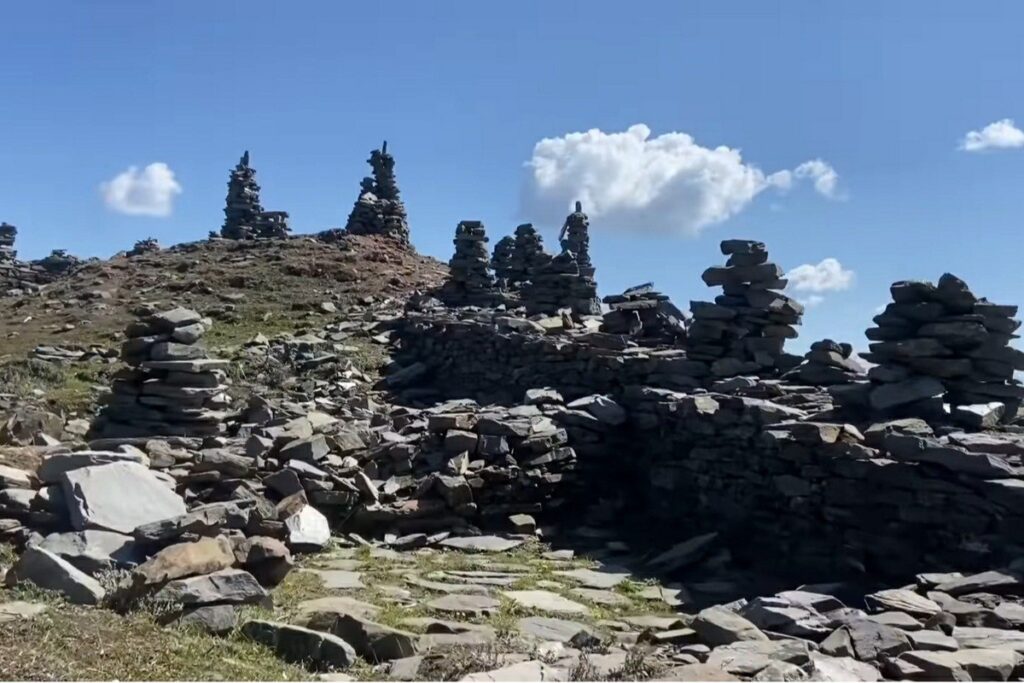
(142, 192)
(1003, 134)
(827, 276)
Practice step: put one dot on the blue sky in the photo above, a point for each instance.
(881, 92)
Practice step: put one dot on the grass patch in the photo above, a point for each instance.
(68, 388)
(68, 642)
(297, 587)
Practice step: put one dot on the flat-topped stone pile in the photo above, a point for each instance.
(745, 329)
(828, 363)
(470, 282)
(21, 277)
(244, 217)
(528, 255)
(147, 246)
(172, 387)
(940, 342)
(379, 209)
(560, 285)
(645, 315)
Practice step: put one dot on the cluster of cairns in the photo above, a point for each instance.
(646, 315)
(470, 281)
(379, 209)
(745, 329)
(20, 277)
(150, 245)
(940, 342)
(527, 257)
(244, 217)
(171, 387)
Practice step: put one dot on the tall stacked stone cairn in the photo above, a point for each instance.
(936, 342)
(528, 255)
(7, 235)
(501, 260)
(171, 387)
(379, 209)
(744, 330)
(470, 282)
(827, 363)
(575, 237)
(244, 217)
(646, 315)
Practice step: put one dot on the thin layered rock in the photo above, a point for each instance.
(939, 342)
(244, 217)
(745, 329)
(470, 282)
(501, 261)
(828, 363)
(528, 255)
(646, 315)
(172, 387)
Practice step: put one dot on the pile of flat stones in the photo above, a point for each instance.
(828, 363)
(379, 209)
(501, 261)
(940, 342)
(559, 285)
(7, 235)
(20, 277)
(470, 281)
(244, 217)
(528, 256)
(575, 237)
(172, 387)
(745, 329)
(645, 315)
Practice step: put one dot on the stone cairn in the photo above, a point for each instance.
(470, 282)
(575, 237)
(146, 246)
(646, 315)
(171, 388)
(528, 255)
(744, 330)
(244, 217)
(501, 261)
(558, 285)
(7, 235)
(942, 341)
(379, 209)
(826, 364)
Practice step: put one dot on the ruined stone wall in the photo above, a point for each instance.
(790, 494)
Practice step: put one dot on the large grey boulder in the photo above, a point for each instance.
(52, 467)
(372, 641)
(50, 572)
(118, 497)
(718, 626)
(226, 586)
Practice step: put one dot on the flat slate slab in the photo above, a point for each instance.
(546, 601)
(118, 497)
(339, 579)
(477, 605)
(595, 579)
(481, 544)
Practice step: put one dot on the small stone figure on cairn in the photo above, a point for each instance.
(941, 342)
(470, 282)
(379, 209)
(745, 329)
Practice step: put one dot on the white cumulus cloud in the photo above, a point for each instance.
(812, 300)
(667, 183)
(1002, 134)
(142, 192)
(827, 276)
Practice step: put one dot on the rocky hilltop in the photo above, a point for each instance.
(330, 456)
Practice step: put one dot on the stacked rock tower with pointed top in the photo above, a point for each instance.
(938, 342)
(379, 209)
(575, 237)
(470, 281)
(744, 330)
(244, 217)
(501, 261)
(528, 255)
(171, 387)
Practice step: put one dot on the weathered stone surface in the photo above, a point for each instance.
(118, 497)
(522, 671)
(48, 571)
(232, 586)
(825, 668)
(372, 641)
(482, 544)
(94, 550)
(465, 604)
(563, 631)
(902, 600)
(718, 626)
(545, 601)
(314, 649)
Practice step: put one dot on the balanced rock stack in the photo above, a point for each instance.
(941, 340)
(379, 209)
(146, 246)
(646, 315)
(528, 255)
(172, 388)
(828, 363)
(244, 217)
(273, 225)
(559, 285)
(470, 282)
(575, 237)
(745, 329)
(7, 234)
(501, 260)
